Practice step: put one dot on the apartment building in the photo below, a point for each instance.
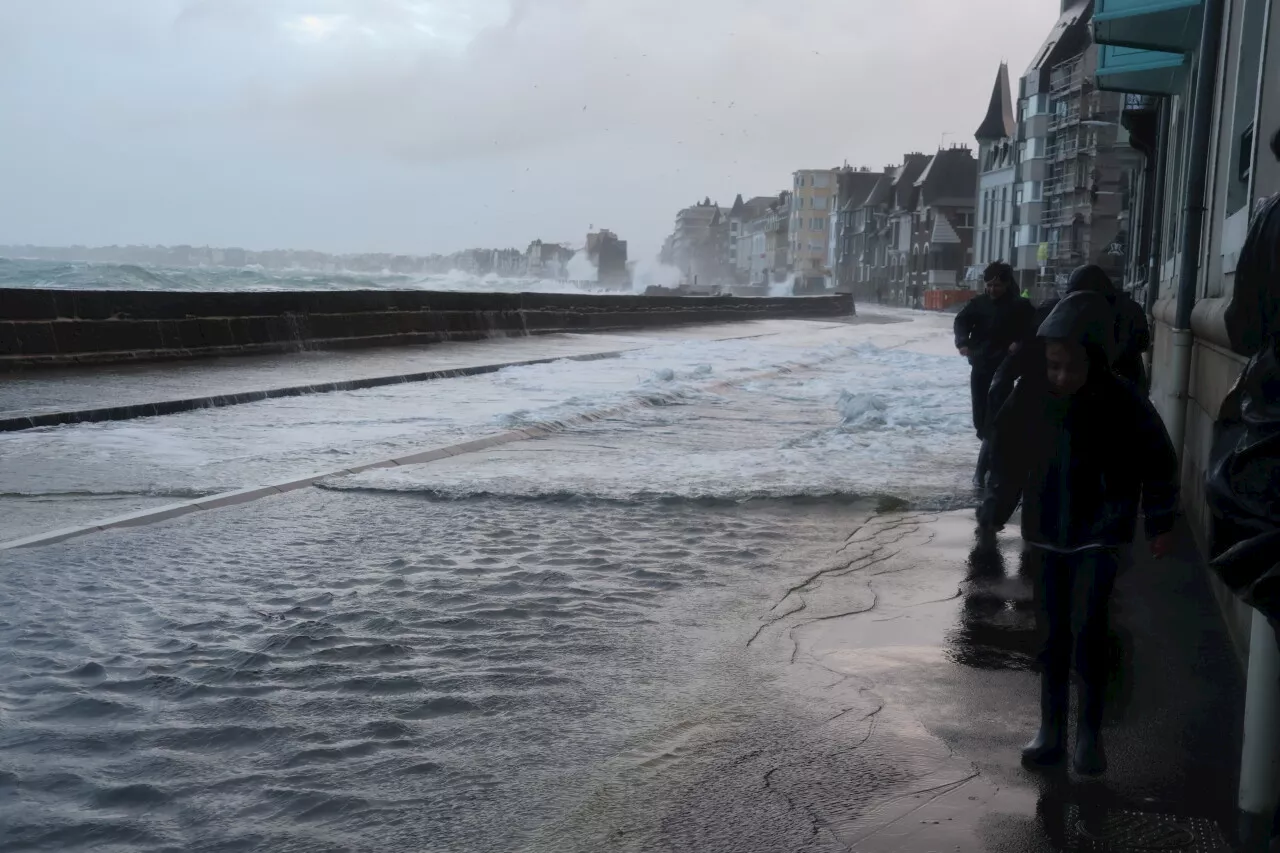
(813, 195)
(766, 242)
(740, 214)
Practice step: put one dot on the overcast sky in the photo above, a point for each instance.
(433, 125)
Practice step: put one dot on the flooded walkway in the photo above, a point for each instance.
(741, 611)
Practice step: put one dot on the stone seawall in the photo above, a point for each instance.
(63, 327)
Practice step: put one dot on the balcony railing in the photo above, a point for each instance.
(1066, 76)
(1064, 118)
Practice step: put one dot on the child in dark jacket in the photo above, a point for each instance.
(1083, 449)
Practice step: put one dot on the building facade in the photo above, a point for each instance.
(941, 221)
(547, 260)
(609, 254)
(996, 213)
(1191, 260)
(1085, 187)
(853, 186)
(740, 249)
(1202, 86)
(870, 238)
(901, 227)
(767, 242)
(813, 196)
(1068, 37)
(700, 246)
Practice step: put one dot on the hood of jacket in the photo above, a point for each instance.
(1084, 318)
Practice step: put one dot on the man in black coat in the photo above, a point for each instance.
(987, 330)
(1132, 332)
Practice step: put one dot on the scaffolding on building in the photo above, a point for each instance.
(1080, 209)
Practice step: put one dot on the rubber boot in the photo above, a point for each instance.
(1049, 747)
(1089, 759)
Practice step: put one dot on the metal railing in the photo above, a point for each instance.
(1064, 118)
(1067, 75)
(1064, 212)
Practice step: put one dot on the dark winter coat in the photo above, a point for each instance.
(1242, 487)
(1254, 313)
(1082, 466)
(1132, 332)
(1133, 338)
(987, 327)
(1027, 361)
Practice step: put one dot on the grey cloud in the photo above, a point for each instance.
(529, 117)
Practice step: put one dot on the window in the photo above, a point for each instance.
(1035, 148)
(821, 180)
(819, 202)
(1037, 105)
(1244, 137)
(1032, 190)
(986, 208)
(966, 220)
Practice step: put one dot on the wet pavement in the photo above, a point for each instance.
(748, 617)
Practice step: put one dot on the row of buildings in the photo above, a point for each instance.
(1051, 185)
(887, 234)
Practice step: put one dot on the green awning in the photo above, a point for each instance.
(1167, 25)
(1142, 72)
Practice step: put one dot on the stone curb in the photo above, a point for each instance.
(242, 496)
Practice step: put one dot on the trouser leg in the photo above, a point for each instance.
(1095, 579)
(1052, 582)
(1053, 588)
(979, 390)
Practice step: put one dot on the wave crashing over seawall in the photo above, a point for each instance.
(76, 275)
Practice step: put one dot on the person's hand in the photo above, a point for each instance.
(1162, 546)
(964, 351)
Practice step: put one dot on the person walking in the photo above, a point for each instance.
(1129, 323)
(1242, 485)
(1084, 450)
(1132, 332)
(988, 327)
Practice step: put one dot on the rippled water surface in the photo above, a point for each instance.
(574, 643)
(346, 671)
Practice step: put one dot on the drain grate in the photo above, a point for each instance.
(1140, 832)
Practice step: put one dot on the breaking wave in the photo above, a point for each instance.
(77, 275)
